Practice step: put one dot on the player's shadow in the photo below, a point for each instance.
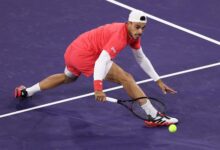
(22, 104)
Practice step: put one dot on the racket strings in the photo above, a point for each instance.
(135, 107)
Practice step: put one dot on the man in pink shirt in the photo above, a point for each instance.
(92, 53)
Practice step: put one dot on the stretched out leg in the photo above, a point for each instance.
(55, 80)
(47, 83)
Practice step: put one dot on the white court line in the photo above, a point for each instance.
(139, 82)
(168, 23)
(107, 90)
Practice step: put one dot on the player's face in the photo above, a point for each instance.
(135, 29)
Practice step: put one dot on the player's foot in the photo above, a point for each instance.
(160, 120)
(20, 92)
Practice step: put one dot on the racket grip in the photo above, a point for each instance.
(110, 99)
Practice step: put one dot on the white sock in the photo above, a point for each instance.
(149, 109)
(34, 89)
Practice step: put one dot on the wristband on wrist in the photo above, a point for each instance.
(98, 85)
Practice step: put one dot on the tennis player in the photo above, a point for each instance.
(92, 53)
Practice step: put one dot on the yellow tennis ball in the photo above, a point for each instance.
(172, 128)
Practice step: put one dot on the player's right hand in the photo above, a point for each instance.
(100, 96)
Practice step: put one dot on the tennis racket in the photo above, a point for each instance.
(134, 106)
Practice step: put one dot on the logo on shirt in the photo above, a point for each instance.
(113, 50)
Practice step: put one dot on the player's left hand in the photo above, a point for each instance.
(165, 89)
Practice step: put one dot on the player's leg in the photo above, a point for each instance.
(118, 75)
(57, 80)
(48, 83)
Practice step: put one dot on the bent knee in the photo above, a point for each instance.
(126, 78)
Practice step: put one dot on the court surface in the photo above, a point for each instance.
(181, 35)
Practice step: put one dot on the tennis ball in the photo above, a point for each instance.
(172, 128)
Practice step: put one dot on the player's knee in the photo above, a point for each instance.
(127, 78)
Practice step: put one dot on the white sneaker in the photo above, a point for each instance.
(160, 120)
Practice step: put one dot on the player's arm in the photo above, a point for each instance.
(148, 68)
(145, 63)
(99, 74)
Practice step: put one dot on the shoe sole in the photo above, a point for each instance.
(151, 124)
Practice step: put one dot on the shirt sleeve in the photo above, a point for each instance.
(145, 63)
(136, 44)
(114, 45)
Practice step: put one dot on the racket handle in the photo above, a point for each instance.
(110, 99)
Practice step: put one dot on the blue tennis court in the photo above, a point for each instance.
(182, 40)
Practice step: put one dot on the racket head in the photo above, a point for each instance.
(158, 104)
(135, 107)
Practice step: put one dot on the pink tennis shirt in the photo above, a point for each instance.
(82, 53)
